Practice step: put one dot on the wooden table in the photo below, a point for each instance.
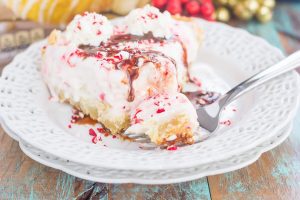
(276, 175)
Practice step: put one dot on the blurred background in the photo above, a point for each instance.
(26, 21)
(23, 22)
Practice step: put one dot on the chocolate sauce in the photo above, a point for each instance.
(86, 120)
(130, 65)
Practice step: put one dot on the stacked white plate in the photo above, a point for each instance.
(262, 121)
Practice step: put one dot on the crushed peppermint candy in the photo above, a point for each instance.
(95, 137)
(76, 116)
(160, 110)
(226, 122)
(172, 148)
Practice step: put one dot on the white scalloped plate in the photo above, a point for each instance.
(107, 175)
(25, 109)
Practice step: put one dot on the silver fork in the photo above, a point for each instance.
(209, 115)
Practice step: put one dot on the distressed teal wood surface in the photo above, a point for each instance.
(190, 190)
(275, 176)
(23, 178)
(266, 31)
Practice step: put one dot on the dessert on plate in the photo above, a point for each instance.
(128, 75)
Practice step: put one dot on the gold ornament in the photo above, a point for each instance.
(264, 14)
(242, 12)
(252, 5)
(268, 3)
(222, 14)
(232, 3)
(221, 2)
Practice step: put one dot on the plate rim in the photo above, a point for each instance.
(287, 128)
(189, 164)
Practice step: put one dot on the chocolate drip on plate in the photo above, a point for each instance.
(202, 98)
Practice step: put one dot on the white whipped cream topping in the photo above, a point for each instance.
(89, 29)
(149, 19)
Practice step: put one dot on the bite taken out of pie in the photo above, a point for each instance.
(128, 76)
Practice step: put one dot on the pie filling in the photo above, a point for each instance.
(129, 76)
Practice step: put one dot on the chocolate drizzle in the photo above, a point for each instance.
(137, 57)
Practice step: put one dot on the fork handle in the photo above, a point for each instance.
(285, 65)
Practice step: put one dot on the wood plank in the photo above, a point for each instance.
(197, 189)
(23, 178)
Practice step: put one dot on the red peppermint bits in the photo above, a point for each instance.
(152, 16)
(156, 103)
(160, 110)
(94, 139)
(101, 130)
(172, 148)
(98, 32)
(92, 132)
(98, 55)
(137, 121)
(226, 122)
(118, 57)
(80, 53)
(94, 136)
(137, 112)
(102, 96)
